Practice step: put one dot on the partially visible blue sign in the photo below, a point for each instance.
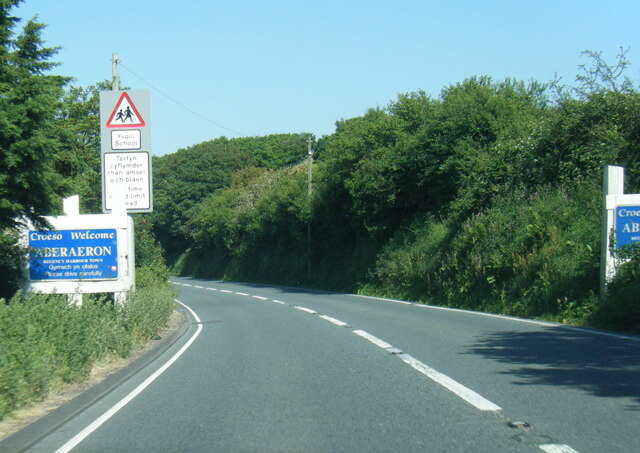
(627, 225)
(73, 255)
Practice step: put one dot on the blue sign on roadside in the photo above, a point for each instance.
(73, 255)
(627, 225)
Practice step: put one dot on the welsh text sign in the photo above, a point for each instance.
(627, 225)
(73, 255)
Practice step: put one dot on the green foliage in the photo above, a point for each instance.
(245, 231)
(151, 268)
(28, 104)
(78, 160)
(183, 179)
(621, 307)
(527, 255)
(486, 197)
(10, 270)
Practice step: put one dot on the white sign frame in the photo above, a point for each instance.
(614, 196)
(122, 223)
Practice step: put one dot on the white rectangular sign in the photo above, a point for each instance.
(125, 144)
(126, 139)
(127, 173)
(92, 253)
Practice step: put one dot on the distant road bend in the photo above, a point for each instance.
(262, 368)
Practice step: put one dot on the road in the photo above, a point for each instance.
(271, 369)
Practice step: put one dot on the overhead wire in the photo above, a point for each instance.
(175, 101)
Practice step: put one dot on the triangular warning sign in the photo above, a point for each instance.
(125, 114)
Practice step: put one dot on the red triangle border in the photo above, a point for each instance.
(133, 107)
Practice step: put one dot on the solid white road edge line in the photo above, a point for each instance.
(619, 336)
(123, 402)
(460, 310)
(557, 448)
(463, 392)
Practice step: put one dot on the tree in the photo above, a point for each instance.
(78, 160)
(29, 100)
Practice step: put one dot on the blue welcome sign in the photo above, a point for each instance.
(627, 225)
(73, 255)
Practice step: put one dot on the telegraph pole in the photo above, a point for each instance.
(309, 180)
(115, 82)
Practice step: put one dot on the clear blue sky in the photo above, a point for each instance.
(262, 67)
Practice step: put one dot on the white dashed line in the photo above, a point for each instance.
(375, 340)
(557, 448)
(335, 321)
(450, 384)
(463, 392)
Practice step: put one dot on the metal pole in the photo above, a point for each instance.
(115, 82)
(309, 181)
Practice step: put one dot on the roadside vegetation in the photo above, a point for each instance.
(485, 197)
(50, 149)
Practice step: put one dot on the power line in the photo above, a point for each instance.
(172, 99)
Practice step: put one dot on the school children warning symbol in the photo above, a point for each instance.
(125, 114)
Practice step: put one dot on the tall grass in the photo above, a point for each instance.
(45, 343)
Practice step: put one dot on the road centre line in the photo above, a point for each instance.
(445, 381)
(226, 291)
(452, 385)
(557, 448)
(375, 340)
(198, 286)
(471, 312)
(74, 441)
(335, 321)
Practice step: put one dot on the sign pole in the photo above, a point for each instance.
(612, 186)
(115, 84)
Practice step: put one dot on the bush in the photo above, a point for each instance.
(621, 304)
(526, 255)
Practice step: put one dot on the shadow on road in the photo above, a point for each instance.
(603, 366)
